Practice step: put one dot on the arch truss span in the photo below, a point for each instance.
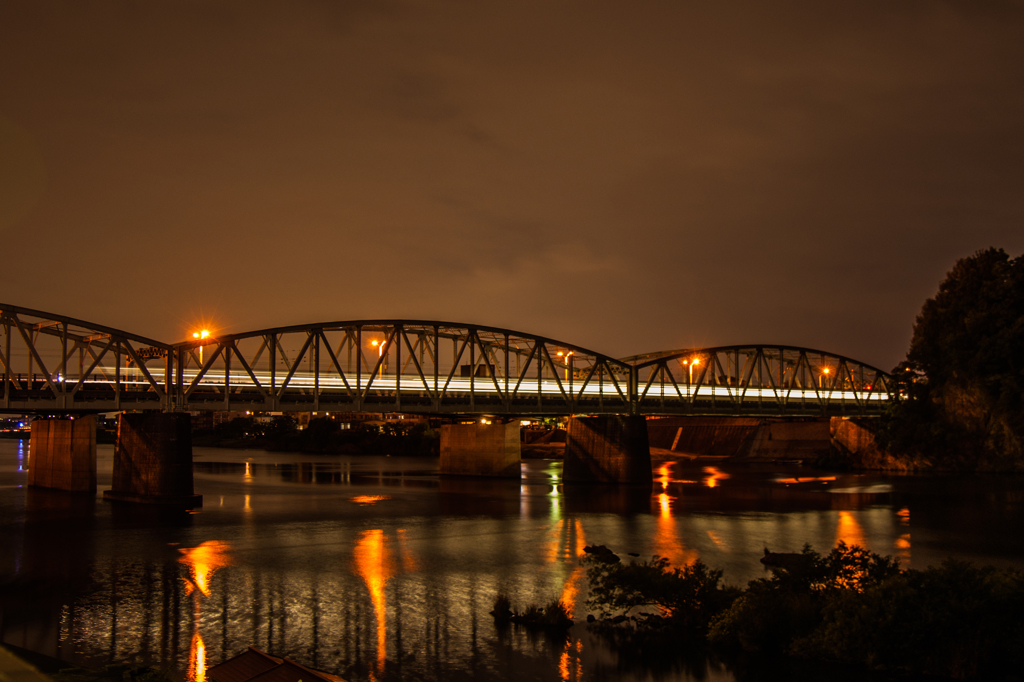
(398, 366)
(54, 362)
(759, 380)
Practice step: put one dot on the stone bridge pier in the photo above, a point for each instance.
(153, 460)
(481, 450)
(62, 454)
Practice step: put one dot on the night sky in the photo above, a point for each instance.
(627, 176)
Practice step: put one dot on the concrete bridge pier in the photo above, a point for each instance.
(481, 450)
(607, 449)
(153, 460)
(63, 454)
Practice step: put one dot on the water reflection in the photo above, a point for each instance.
(577, 540)
(667, 541)
(713, 476)
(570, 665)
(848, 530)
(202, 562)
(375, 563)
(400, 587)
(365, 500)
(197, 659)
(374, 566)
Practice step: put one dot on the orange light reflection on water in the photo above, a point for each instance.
(665, 505)
(806, 479)
(375, 565)
(365, 500)
(197, 659)
(667, 542)
(571, 588)
(571, 662)
(203, 561)
(714, 475)
(849, 530)
(663, 476)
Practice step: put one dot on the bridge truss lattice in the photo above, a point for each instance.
(60, 364)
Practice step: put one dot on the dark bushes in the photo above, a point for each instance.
(687, 598)
(956, 620)
(851, 606)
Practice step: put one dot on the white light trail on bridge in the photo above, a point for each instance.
(485, 386)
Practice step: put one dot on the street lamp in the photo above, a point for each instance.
(824, 375)
(379, 345)
(691, 364)
(567, 361)
(201, 335)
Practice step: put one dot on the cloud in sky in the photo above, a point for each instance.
(625, 177)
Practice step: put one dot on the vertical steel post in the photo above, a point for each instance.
(538, 348)
(273, 373)
(62, 375)
(117, 376)
(508, 399)
(472, 370)
(633, 391)
(760, 380)
(180, 388)
(572, 395)
(437, 361)
(227, 378)
(398, 334)
(316, 370)
(7, 369)
(31, 358)
(168, 380)
(359, 368)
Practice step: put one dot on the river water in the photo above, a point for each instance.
(376, 568)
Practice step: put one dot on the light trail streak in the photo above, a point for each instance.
(412, 384)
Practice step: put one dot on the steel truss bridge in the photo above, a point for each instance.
(52, 363)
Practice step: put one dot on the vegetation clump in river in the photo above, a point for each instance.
(850, 606)
(553, 618)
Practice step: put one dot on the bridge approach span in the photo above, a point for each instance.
(52, 363)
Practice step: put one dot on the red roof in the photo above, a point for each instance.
(253, 665)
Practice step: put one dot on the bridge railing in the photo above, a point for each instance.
(759, 379)
(398, 365)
